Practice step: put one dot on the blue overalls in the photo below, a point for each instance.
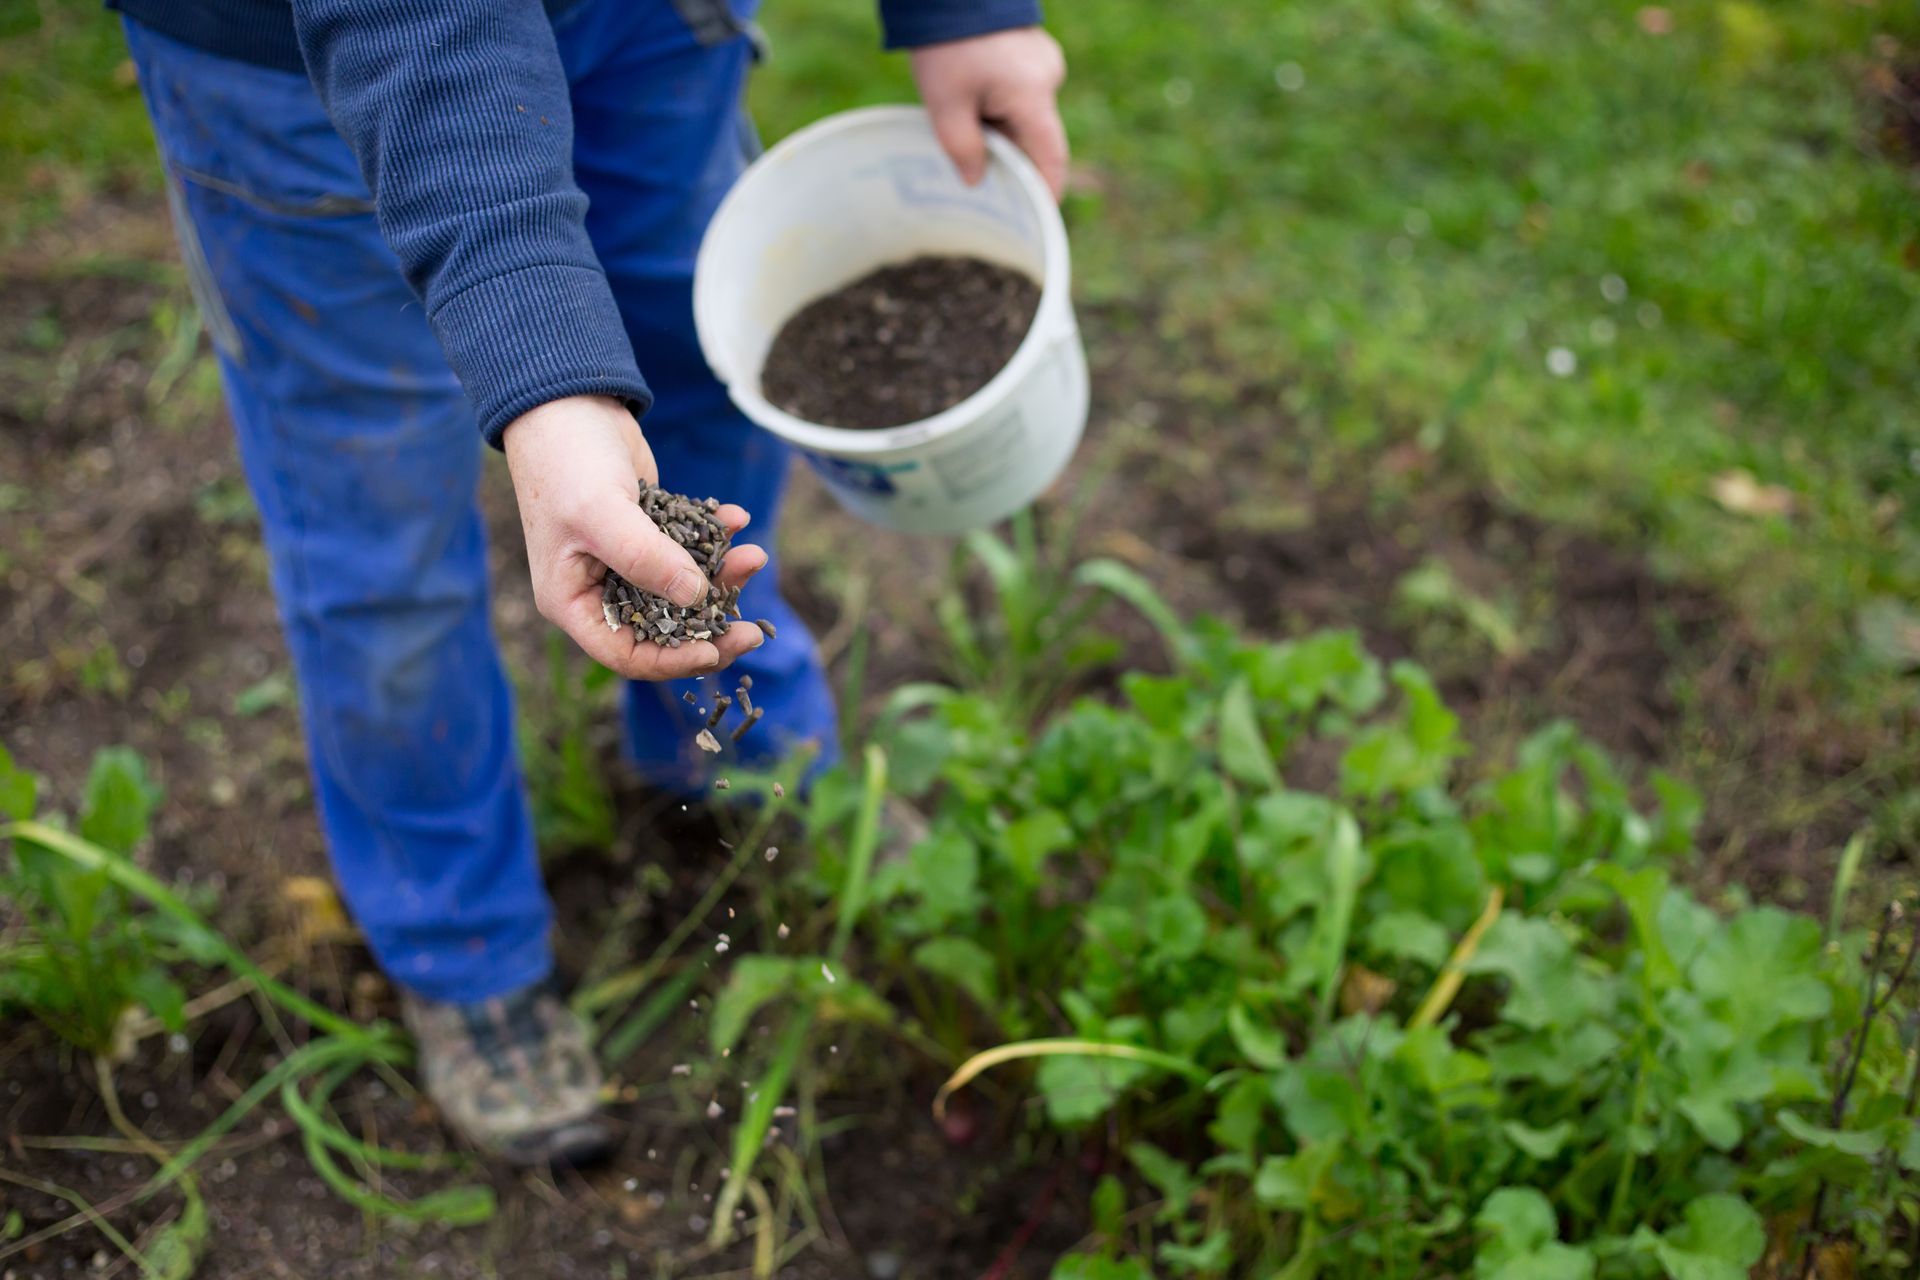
(362, 454)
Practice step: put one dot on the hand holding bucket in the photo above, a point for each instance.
(853, 193)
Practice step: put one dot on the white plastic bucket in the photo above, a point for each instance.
(837, 200)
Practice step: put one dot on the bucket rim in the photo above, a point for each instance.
(1053, 319)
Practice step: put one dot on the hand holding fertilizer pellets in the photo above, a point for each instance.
(695, 526)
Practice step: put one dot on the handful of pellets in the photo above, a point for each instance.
(693, 525)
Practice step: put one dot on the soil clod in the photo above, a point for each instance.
(900, 344)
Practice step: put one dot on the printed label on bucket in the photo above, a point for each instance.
(875, 478)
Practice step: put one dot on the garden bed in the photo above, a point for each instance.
(1519, 621)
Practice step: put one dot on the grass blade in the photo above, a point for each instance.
(1843, 878)
(1118, 580)
(1454, 971)
(750, 1135)
(1335, 923)
(640, 1024)
(1065, 1047)
(458, 1206)
(303, 1061)
(866, 839)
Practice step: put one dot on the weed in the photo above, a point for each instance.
(83, 957)
(1032, 638)
(1419, 1025)
(80, 959)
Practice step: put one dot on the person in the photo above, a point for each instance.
(407, 219)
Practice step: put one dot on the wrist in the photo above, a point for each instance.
(568, 413)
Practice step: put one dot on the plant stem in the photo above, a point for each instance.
(103, 1079)
(1623, 1185)
(87, 1211)
(1871, 1004)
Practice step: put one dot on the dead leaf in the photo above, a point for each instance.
(317, 914)
(1834, 1260)
(1364, 991)
(1126, 546)
(1740, 493)
(1654, 20)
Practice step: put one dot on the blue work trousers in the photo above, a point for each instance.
(363, 456)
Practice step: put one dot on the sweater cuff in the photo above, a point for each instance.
(911, 23)
(519, 340)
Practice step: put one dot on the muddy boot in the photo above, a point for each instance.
(513, 1075)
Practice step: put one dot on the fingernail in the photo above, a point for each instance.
(685, 588)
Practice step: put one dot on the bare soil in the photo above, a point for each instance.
(899, 344)
(134, 609)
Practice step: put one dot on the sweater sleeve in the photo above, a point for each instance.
(459, 114)
(911, 23)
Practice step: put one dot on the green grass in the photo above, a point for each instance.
(71, 125)
(1390, 212)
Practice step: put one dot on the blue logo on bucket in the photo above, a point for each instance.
(862, 477)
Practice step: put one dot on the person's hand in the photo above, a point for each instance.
(1007, 79)
(577, 464)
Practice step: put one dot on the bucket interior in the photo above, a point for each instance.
(808, 220)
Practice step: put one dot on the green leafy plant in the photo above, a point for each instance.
(78, 958)
(1032, 637)
(98, 935)
(1347, 1017)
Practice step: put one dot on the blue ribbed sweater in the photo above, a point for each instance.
(477, 199)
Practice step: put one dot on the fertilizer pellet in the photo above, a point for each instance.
(771, 631)
(707, 742)
(689, 699)
(746, 682)
(722, 784)
(746, 702)
(693, 524)
(740, 730)
(720, 705)
(779, 792)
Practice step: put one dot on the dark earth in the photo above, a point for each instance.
(900, 344)
(118, 484)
